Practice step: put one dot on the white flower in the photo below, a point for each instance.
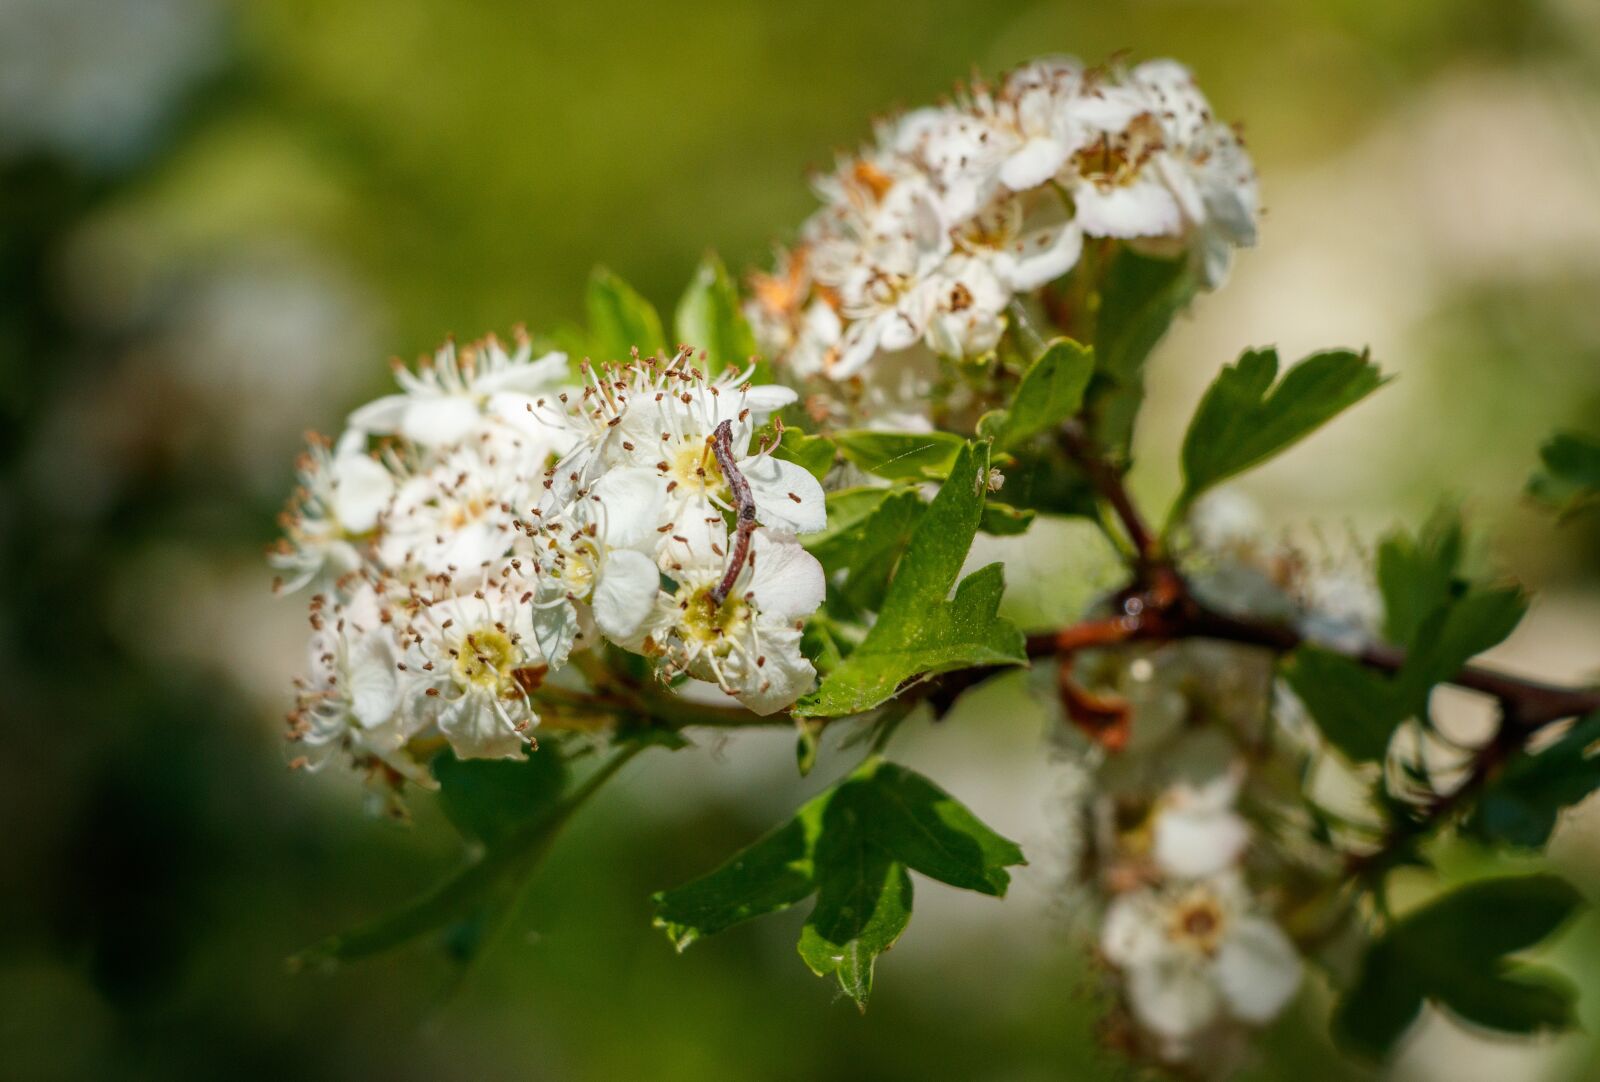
(331, 515)
(591, 567)
(470, 665)
(1205, 167)
(1343, 608)
(1029, 240)
(969, 305)
(1197, 957)
(749, 645)
(459, 515)
(445, 400)
(661, 475)
(1196, 833)
(349, 705)
(883, 277)
(1117, 193)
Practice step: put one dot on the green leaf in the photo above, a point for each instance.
(710, 319)
(1417, 575)
(1521, 806)
(901, 456)
(1570, 480)
(770, 875)
(808, 739)
(1458, 632)
(918, 631)
(1139, 298)
(1358, 708)
(485, 799)
(859, 551)
(814, 454)
(620, 320)
(1003, 520)
(1051, 391)
(851, 846)
(823, 644)
(1244, 418)
(863, 896)
(1455, 951)
(932, 833)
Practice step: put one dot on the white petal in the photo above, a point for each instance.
(362, 489)
(769, 398)
(373, 681)
(774, 483)
(1040, 256)
(546, 372)
(785, 677)
(904, 325)
(476, 731)
(1173, 997)
(787, 581)
(1142, 209)
(1132, 932)
(857, 347)
(1033, 164)
(554, 627)
(439, 421)
(542, 428)
(1257, 970)
(625, 594)
(697, 539)
(382, 416)
(1195, 844)
(633, 499)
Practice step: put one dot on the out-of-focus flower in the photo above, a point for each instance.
(926, 237)
(1198, 956)
(1196, 833)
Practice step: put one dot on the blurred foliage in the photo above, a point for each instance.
(464, 165)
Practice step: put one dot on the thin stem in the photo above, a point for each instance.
(1107, 481)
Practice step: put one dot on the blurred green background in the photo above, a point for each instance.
(217, 220)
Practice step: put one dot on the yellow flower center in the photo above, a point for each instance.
(485, 660)
(694, 465)
(714, 625)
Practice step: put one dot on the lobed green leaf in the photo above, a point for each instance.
(1244, 418)
(852, 846)
(1521, 806)
(1570, 478)
(1455, 952)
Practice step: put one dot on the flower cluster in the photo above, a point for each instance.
(925, 238)
(1198, 955)
(465, 536)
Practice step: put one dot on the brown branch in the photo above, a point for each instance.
(1160, 606)
(1107, 482)
(745, 503)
